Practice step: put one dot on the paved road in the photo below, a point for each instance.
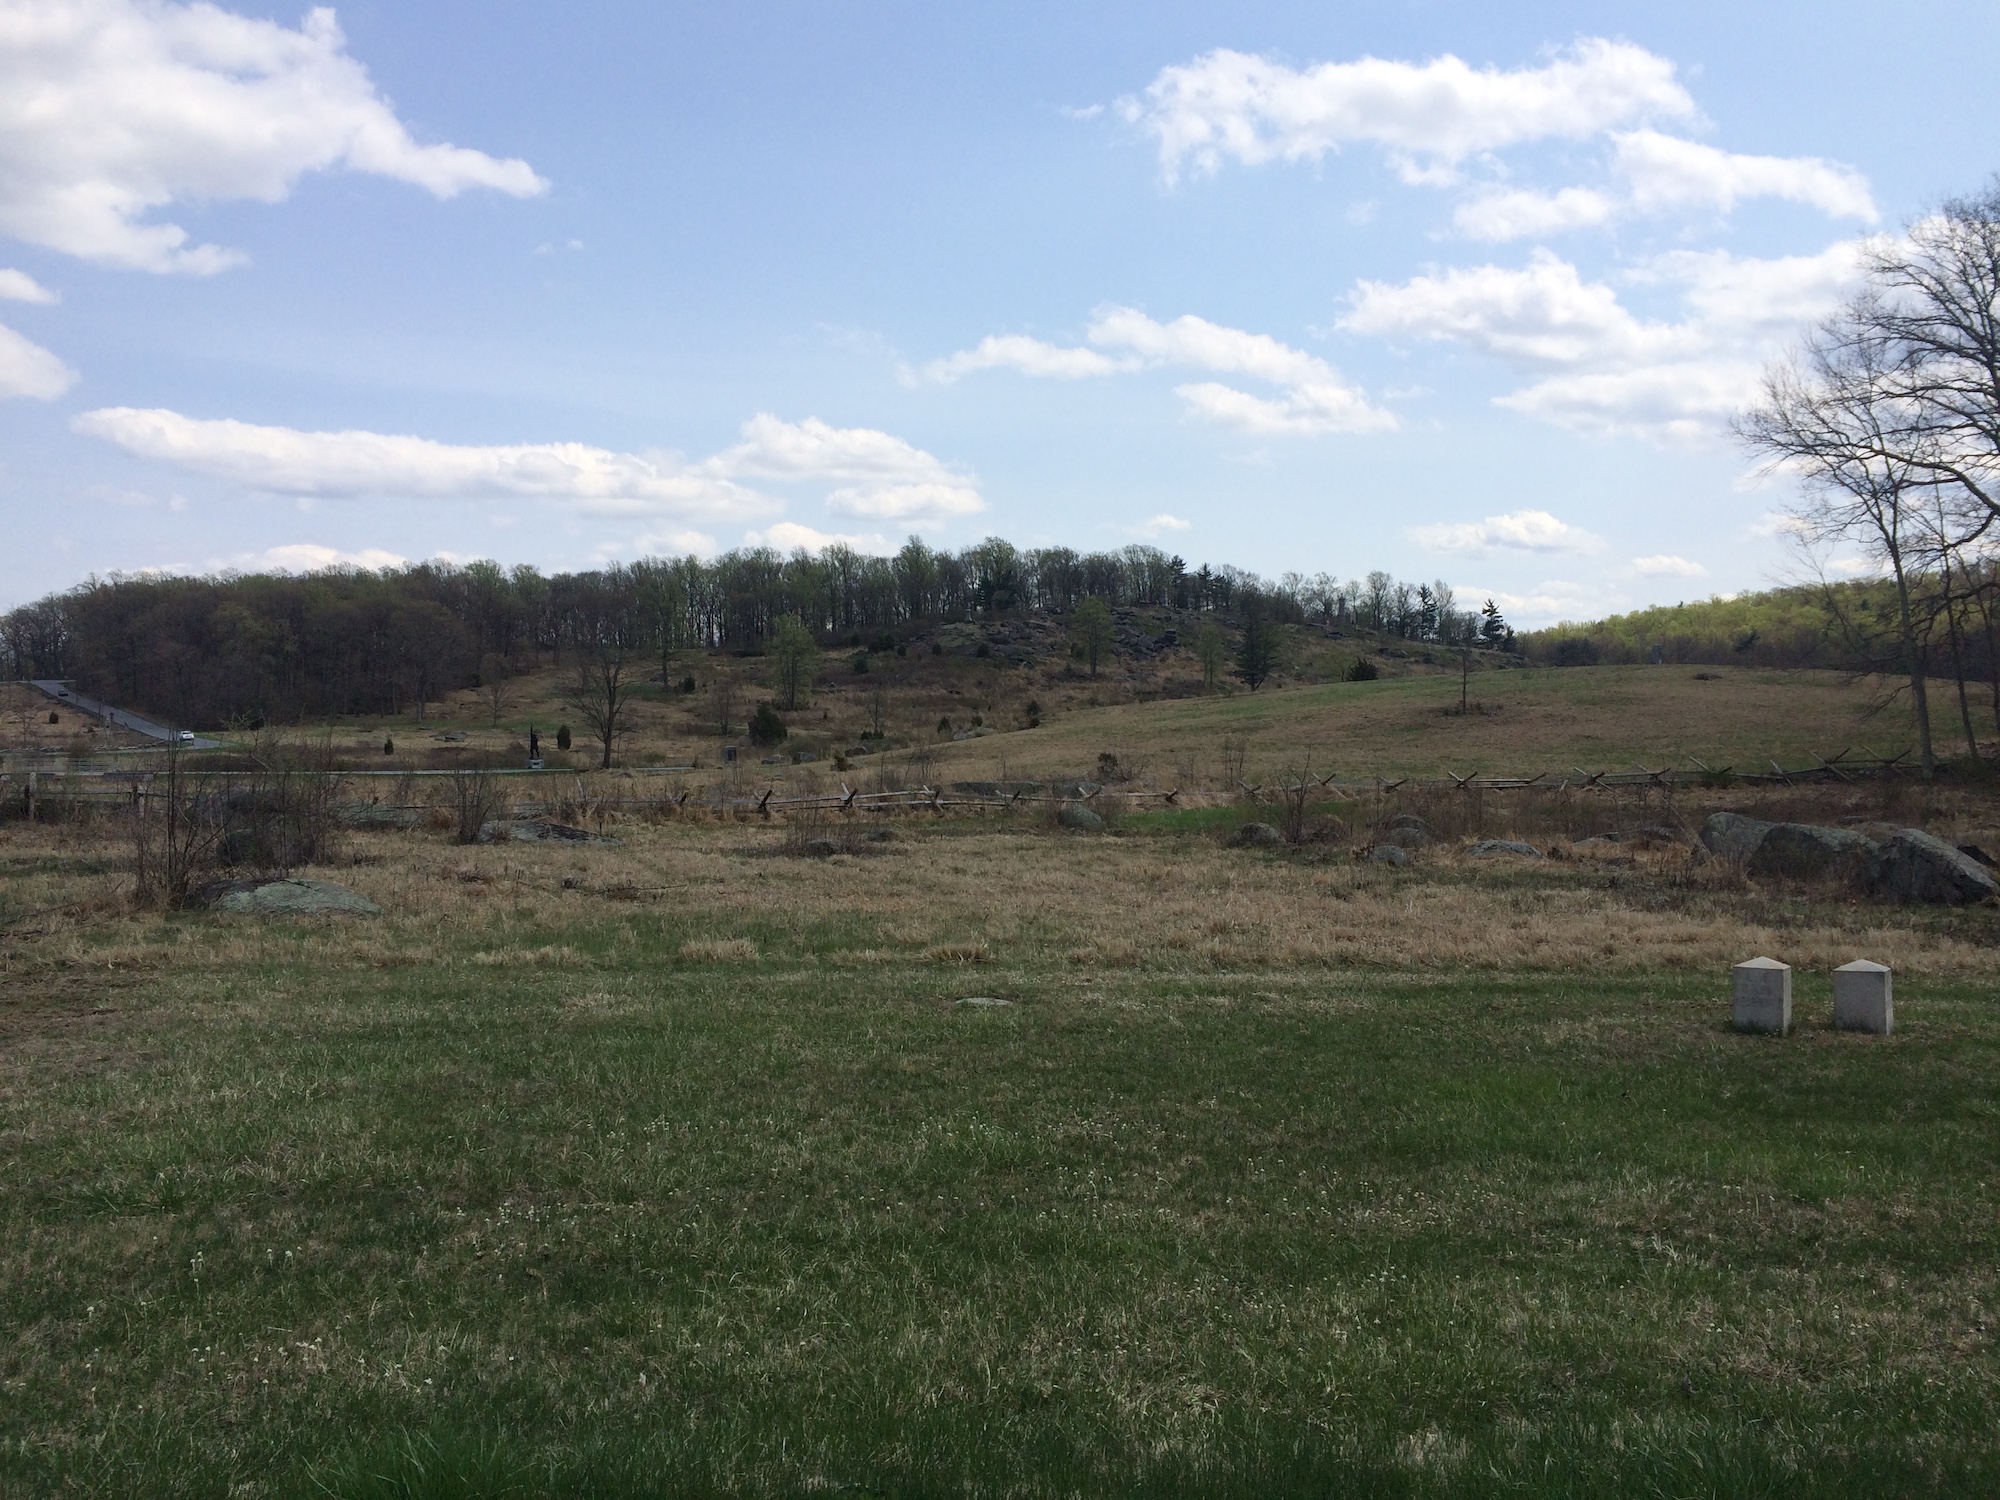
(60, 691)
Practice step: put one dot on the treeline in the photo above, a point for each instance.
(229, 649)
(1933, 625)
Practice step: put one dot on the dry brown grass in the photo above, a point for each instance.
(995, 892)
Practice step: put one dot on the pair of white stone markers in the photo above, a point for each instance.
(1863, 996)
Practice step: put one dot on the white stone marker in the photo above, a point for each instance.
(1763, 995)
(1864, 997)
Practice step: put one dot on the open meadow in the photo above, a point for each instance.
(686, 1164)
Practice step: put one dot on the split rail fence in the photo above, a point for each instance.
(131, 786)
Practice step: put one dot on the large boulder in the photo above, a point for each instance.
(285, 898)
(1913, 866)
(1388, 854)
(1805, 851)
(1728, 835)
(1256, 836)
(1080, 819)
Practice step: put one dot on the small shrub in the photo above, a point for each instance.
(475, 800)
(562, 736)
(984, 650)
(388, 745)
(944, 725)
(860, 663)
(687, 683)
(937, 648)
(766, 728)
(54, 717)
(1363, 670)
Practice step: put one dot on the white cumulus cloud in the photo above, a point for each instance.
(879, 476)
(1154, 527)
(1029, 356)
(788, 536)
(111, 110)
(27, 369)
(1601, 368)
(1667, 565)
(308, 557)
(19, 286)
(1667, 173)
(1429, 116)
(1663, 174)
(374, 465)
(1521, 531)
(1314, 397)
(890, 479)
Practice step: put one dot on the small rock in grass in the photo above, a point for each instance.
(1388, 854)
(1505, 846)
(1256, 836)
(1074, 815)
(1409, 831)
(984, 1000)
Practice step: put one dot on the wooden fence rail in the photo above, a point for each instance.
(132, 787)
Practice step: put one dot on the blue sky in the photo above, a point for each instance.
(1462, 291)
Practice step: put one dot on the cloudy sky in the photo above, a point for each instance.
(1454, 289)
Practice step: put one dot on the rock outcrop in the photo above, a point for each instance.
(284, 898)
(1805, 851)
(1728, 835)
(1256, 836)
(1914, 866)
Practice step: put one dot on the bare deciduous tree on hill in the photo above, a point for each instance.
(600, 696)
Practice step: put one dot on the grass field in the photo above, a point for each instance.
(1520, 722)
(675, 1167)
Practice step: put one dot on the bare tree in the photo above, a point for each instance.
(722, 701)
(599, 695)
(177, 832)
(1211, 649)
(795, 654)
(1834, 416)
(1092, 630)
(1934, 303)
(476, 799)
(493, 677)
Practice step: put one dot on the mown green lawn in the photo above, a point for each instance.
(642, 1226)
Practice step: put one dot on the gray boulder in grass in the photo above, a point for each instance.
(1806, 851)
(286, 898)
(1728, 835)
(1505, 846)
(1075, 816)
(1913, 866)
